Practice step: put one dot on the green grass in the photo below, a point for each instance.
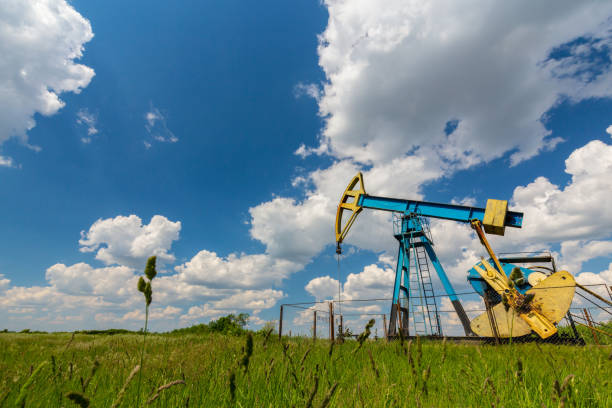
(44, 368)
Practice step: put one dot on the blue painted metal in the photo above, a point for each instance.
(452, 212)
(450, 291)
(414, 278)
(398, 273)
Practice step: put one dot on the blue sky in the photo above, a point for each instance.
(220, 136)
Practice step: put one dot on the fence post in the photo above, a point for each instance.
(331, 321)
(492, 320)
(280, 324)
(590, 322)
(314, 326)
(341, 327)
(385, 327)
(399, 314)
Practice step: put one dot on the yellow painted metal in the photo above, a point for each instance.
(349, 201)
(509, 324)
(553, 295)
(539, 323)
(477, 226)
(498, 281)
(552, 299)
(495, 217)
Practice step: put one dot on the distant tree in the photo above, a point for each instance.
(230, 324)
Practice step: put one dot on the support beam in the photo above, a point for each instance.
(451, 212)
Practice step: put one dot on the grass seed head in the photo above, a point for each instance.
(141, 284)
(148, 293)
(150, 270)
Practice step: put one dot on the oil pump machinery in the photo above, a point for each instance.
(518, 299)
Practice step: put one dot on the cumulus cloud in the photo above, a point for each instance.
(74, 293)
(576, 211)
(40, 43)
(83, 279)
(373, 282)
(206, 311)
(4, 283)
(243, 271)
(398, 75)
(323, 287)
(169, 312)
(251, 299)
(126, 241)
(157, 128)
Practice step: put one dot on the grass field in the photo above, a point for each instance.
(211, 370)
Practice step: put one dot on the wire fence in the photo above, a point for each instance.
(589, 319)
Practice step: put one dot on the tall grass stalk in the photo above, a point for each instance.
(144, 286)
(23, 392)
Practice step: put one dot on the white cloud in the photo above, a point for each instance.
(575, 253)
(396, 75)
(577, 211)
(311, 90)
(243, 271)
(251, 299)
(89, 120)
(39, 43)
(609, 130)
(373, 282)
(118, 282)
(157, 128)
(4, 283)
(206, 311)
(155, 313)
(323, 287)
(126, 241)
(6, 162)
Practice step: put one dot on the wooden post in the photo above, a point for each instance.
(314, 326)
(341, 327)
(492, 321)
(331, 321)
(590, 322)
(399, 315)
(280, 324)
(385, 327)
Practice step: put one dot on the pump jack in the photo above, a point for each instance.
(514, 307)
